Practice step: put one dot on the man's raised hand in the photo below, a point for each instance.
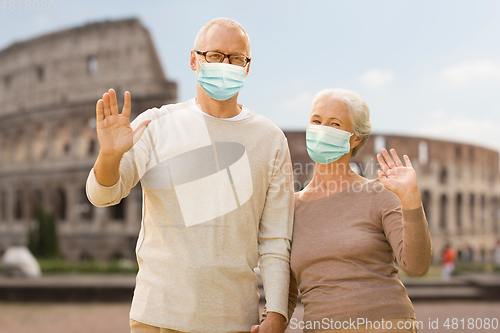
(114, 132)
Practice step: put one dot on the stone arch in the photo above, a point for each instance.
(18, 205)
(61, 143)
(117, 212)
(39, 144)
(483, 210)
(426, 202)
(87, 138)
(495, 214)
(6, 149)
(443, 176)
(36, 202)
(85, 208)
(20, 151)
(3, 205)
(459, 210)
(472, 207)
(60, 204)
(443, 211)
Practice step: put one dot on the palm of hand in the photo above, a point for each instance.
(394, 176)
(114, 133)
(399, 177)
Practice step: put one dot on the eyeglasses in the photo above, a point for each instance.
(234, 59)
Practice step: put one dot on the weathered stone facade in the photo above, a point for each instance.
(459, 183)
(48, 143)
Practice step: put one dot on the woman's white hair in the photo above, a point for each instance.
(222, 22)
(358, 111)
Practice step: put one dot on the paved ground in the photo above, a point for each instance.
(113, 318)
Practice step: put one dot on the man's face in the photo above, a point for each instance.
(222, 39)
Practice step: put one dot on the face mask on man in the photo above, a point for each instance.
(221, 81)
(326, 144)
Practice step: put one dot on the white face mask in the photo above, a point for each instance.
(326, 144)
(221, 81)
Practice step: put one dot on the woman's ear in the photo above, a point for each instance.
(357, 140)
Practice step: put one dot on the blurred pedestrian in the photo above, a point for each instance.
(448, 262)
(470, 253)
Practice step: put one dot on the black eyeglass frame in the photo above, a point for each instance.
(204, 54)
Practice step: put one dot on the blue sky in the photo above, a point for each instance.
(426, 68)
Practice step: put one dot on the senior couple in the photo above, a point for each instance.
(218, 202)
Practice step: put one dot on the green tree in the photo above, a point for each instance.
(43, 240)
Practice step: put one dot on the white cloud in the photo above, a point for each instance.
(470, 72)
(300, 101)
(444, 126)
(377, 78)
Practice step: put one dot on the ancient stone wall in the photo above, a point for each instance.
(48, 89)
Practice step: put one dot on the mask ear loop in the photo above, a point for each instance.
(196, 55)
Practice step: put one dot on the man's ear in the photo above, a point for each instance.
(192, 62)
(248, 67)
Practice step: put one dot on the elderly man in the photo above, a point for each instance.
(217, 197)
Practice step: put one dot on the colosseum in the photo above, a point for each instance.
(48, 89)
(459, 183)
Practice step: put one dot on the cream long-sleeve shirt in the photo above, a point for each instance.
(217, 197)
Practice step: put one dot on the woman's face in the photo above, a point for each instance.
(333, 113)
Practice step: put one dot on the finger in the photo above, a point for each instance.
(137, 133)
(407, 161)
(388, 159)
(396, 158)
(113, 104)
(99, 110)
(127, 105)
(254, 329)
(105, 99)
(381, 161)
(381, 176)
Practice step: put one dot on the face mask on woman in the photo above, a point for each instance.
(326, 144)
(221, 81)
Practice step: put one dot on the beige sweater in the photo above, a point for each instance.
(217, 197)
(343, 252)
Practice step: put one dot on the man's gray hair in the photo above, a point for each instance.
(358, 111)
(222, 22)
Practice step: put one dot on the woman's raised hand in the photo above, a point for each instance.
(114, 132)
(399, 178)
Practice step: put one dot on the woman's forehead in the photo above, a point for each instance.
(328, 106)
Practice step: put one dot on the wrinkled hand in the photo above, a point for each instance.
(114, 132)
(398, 178)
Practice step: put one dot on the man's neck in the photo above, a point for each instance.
(220, 109)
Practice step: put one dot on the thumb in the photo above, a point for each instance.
(254, 329)
(381, 176)
(137, 133)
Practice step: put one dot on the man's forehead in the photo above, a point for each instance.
(218, 29)
(219, 38)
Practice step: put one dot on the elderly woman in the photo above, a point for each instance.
(348, 230)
